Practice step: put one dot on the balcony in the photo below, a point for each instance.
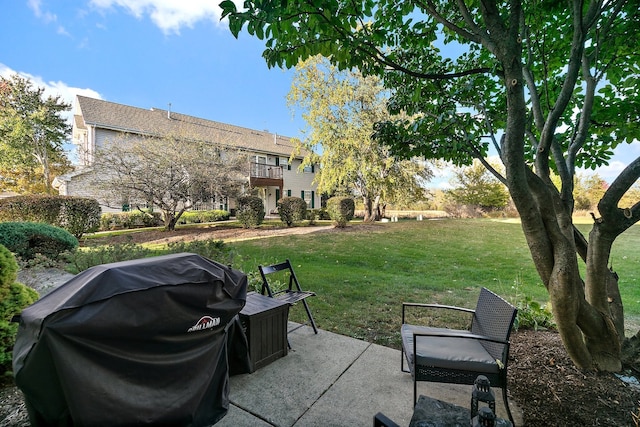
(262, 175)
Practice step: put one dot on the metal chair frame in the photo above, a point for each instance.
(292, 294)
(491, 324)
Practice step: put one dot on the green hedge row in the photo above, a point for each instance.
(131, 219)
(77, 215)
(199, 217)
(138, 219)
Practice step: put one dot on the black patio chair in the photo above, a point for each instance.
(458, 356)
(292, 294)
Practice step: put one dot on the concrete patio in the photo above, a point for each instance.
(333, 380)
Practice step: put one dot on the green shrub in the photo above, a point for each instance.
(312, 215)
(216, 250)
(26, 239)
(82, 260)
(8, 270)
(13, 298)
(131, 219)
(292, 209)
(77, 215)
(533, 315)
(80, 215)
(341, 210)
(250, 211)
(321, 214)
(199, 217)
(32, 208)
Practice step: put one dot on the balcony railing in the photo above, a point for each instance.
(260, 170)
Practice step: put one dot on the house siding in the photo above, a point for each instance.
(97, 122)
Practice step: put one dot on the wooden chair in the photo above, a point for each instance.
(292, 294)
(458, 356)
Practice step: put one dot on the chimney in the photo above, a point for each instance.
(275, 138)
(169, 112)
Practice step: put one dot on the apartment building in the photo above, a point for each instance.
(271, 170)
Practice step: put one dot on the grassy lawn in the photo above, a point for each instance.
(362, 276)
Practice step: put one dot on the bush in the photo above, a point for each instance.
(341, 210)
(212, 249)
(132, 219)
(321, 214)
(533, 315)
(312, 215)
(292, 209)
(27, 239)
(82, 260)
(78, 215)
(250, 211)
(34, 208)
(13, 298)
(199, 217)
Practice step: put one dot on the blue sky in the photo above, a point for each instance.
(149, 53)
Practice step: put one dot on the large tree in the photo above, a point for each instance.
(475, 186)
(32, 134)
(341, 109)
(170, 172)
(560, 79)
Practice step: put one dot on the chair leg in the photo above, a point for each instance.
(506, 405)
(402, 359)
(313, 323)
(415, 392)
(381, 420)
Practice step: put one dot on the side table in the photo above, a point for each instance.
(264, 320)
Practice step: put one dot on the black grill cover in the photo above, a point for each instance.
(131, 343)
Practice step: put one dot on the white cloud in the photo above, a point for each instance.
(36, 6)
(51, 88)
(169, 15)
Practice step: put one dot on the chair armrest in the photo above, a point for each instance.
(436, 306)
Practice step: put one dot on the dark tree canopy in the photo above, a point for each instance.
(552, 85)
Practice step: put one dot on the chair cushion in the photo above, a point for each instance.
(447, 352)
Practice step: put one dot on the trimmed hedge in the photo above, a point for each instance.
(27, 239)
(341, 210)
(77, 215)
(291, 210)
(13, 298)
(199, 217)
(250, 211)
(131, 219)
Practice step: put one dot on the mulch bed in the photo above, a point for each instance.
(552, 392)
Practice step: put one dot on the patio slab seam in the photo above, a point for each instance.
(333, 383)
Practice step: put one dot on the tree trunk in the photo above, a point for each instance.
(377, 214)
(170, 223)
(583, 319)
(368, 209)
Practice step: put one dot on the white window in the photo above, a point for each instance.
(284, 163)
(308, 196)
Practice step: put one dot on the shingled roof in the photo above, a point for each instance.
(158, 122)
